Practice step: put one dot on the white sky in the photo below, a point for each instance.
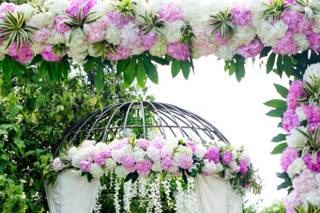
(236, 109)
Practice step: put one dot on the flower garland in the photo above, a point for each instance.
(301, 159)
(116, 30)
(149, 169)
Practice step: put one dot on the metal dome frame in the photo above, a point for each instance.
(168, 119)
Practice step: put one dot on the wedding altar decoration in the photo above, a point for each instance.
(135, 35)
(151, 157)
(300, 159)
(150, 169)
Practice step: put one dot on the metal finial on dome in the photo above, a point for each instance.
(141, 119)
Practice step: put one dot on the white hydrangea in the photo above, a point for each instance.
(27, 10)
(56, 38)
(72, 151)
(173, 31)
(296, 139)
(96, 171)
(244, 35)
(41, 20)
(270, 33)
(113, 34)
(210, 167)
(160, 47)
(312, 72)
(87, 143)
(110, 164)
(302, 41)
(153, 153)
(121, 171)
(37, 47)
(184, 150)
(296, 167)
(234, 167)
(312, 198)
(57, 164)
(78, 46)
(56, 6)
(200, 151)
(139, 155)
(301, 114)
(317, 177)
(166, 150)
(101, 146)
(129, 35)
(226, 52)
(156, 167)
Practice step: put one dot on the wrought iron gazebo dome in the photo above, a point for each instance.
(142, 118)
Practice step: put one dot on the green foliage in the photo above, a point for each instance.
(309, 209)
(236, 66)
(276, 207)
(33, 117)
(222, 23)
(274, 9)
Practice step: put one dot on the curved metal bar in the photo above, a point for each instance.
(185, 117)
(159, 117)
(127, 115)
(172, 118)
(105, 134)
(143, 120)
(105, 111)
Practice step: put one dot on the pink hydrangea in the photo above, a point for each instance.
(314, 40)
(41, 36)
(305, 182)
(166, 163)
(85, 166)
(147, 40)
(127, 161)
(213, 155)
(95, 32)
(251, 50)
(77, 6)
(312, 112)
(101, 157)
(296, 21)
(5, 8)
(122, 53)
(185, 162)
(295, 93)
(293, 200)
(49, 55)
(227, 158)
(118, 19)
(120, 143)
(143, 144)
(241, 16)
(143, 168)
(312, 164)
(60, 24)
(290, 120)
(158, 143)
(286, 45)
(171, 12)
(287, 158)
(219, 39)
(244, 166)
(178, 51)
(23, 55)
(192, 145)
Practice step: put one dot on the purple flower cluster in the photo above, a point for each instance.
(312, 164)
(244, 166)
(227, 158)
(80, 7)
(287, 158)
(241, 16)
(171, 12)
(213, 155)
(178, 51)
(290, 120)
(312, 112)
(295, 93)
(23, 54)
(252, 49)
(49, 55)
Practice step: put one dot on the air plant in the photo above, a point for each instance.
(222, 22)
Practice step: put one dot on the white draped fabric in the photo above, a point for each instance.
(217, 196)
(72, 193)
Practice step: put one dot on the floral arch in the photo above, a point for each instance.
(49, 38)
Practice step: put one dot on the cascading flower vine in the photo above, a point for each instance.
(144, 164)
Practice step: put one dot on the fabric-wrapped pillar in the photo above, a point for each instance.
(217, 196)
(72, 193)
